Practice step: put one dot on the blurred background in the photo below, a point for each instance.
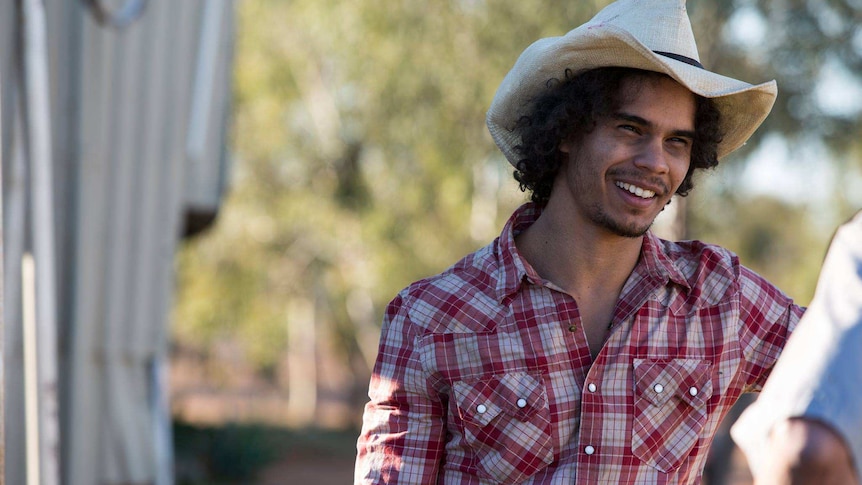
(207, 205)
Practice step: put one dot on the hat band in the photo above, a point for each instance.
(677, 57)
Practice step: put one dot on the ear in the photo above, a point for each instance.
(566, 146)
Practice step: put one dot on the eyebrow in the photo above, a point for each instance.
(644, 122)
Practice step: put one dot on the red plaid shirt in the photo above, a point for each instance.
(484, 374)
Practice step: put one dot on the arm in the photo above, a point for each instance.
(402, 435)
(768, 318)
(808, 414)
(806, 452)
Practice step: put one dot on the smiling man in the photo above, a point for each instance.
(617, 171)
(578, 347)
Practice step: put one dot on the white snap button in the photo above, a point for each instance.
(481, 409)
(522, 403)
(589, 450)
(591, 387)
(693, 391)
(658, 388)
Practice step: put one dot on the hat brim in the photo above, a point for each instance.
(743, 106)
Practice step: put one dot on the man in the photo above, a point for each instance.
(578, 347)
(806, 427)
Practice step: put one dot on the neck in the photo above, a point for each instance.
(579, 258)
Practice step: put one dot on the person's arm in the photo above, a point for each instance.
(402, 439)
(806, 452)
(808, 418)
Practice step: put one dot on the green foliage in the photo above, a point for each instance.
(358, 135)
(804, 38)
(777, 240)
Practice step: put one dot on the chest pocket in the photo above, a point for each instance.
(670, 409)
(505, 421)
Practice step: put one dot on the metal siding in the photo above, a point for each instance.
(13, 244)
(124, 445)
(120, 116)
(91, 242)
(207, 171)
(13, 210)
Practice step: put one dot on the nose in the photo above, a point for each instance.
(653, 157)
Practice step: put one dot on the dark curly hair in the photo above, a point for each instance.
(572, 107)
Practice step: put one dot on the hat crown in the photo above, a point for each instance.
(660, 25)
(652, 35)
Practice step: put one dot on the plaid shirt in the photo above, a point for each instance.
(484, 374)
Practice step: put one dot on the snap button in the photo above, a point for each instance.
(658, 388)
(693, 391)
(522, 403)
(591, 387)
(481, 409)
(572, 328)
(589, 450)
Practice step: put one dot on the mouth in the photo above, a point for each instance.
(635, 190)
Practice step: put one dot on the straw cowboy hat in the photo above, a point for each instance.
(653, 35)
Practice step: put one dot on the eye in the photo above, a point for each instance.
(680, 141)
(679, 145)
(631, 128)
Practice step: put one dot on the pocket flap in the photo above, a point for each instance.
(517, 394)
(688, 380)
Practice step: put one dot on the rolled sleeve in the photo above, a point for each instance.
(768, 318)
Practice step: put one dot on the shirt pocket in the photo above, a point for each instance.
(506, 422)
(670, 409)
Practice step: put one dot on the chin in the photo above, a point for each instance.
(623, 225)
(631, 230)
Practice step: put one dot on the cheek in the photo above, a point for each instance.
(679, 169)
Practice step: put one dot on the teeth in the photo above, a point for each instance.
(643, 193)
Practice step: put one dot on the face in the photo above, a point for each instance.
(619, 177)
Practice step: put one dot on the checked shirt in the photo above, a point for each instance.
(484, 373)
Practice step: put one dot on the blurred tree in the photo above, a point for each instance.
(363, 162)
(778, 240)
(814, 50)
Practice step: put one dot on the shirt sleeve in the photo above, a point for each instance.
(768, 317)
(819, 375)
(402, 436)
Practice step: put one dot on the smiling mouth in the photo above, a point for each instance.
(638, 191)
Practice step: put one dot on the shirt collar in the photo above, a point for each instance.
(512, 267)
(658, 263)
(654, 261)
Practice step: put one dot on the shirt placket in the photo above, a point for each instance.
(594, 448)
(591, 445)
(576, 337)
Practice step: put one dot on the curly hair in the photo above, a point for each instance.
(570, 110)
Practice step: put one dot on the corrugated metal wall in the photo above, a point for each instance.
(131, 161)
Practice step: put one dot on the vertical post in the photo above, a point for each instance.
(301, 355)
(31, 371)
(38, 140)
(2, 321)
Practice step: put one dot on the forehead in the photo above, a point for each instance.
(658, 98)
